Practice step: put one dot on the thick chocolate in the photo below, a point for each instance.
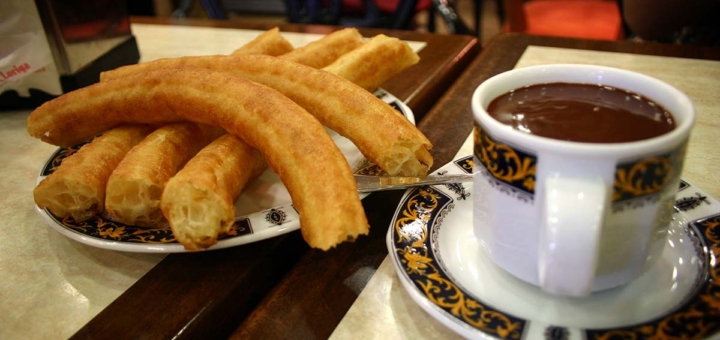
(582, 113)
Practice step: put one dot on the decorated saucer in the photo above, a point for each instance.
(264, 210)
(439, 262)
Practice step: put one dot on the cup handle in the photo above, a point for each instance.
(570, 235)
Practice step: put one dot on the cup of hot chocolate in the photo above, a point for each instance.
(577, 167)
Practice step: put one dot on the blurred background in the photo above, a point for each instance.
(444, 17)
(664, 21)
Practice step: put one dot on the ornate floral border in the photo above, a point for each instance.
(642, 181)
(698, 317)
(107, 229)
(367, 168)
(57, 158)
(504, 166)
(421, 208)
(414, 239)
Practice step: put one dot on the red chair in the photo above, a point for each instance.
(395, 14)
(589, 19)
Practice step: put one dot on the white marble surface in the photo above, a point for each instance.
(157, 42)
(384, 310)
(51, 286)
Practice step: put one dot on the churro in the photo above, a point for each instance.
(379, 132)
(294, 143)
(270, 42)
(374, 62)
(134, 188)
(65, 120)
(198, 201)
(77, 187)
(327, 49)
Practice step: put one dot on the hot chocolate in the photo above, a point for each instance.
(582, 113)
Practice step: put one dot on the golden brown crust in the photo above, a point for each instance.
(374, 62)
(198, 200)
(77, 187)
(327, 49)
(270, 42)
(381, 134)
(76, 125)
(134, 188)
(294, 143)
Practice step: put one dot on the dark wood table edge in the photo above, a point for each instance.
(140, 311)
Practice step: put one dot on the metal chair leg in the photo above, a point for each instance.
(453, 22)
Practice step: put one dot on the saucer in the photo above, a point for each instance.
(264, 210)
(439, 262)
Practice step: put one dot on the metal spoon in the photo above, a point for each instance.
(379, 183)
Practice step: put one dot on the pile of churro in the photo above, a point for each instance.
(177, 140)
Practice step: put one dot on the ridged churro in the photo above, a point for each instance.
(374, 62)
(379, 132)
(270, 42)
(77, 187)
(327, 49)
(134, 188)
(199, 201)
(76, 125)
(294, 143)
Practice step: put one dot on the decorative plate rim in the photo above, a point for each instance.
(424, 276)
(289, 219)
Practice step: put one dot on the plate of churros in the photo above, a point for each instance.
(263, 210)
(208, 152)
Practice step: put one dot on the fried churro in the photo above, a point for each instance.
(374, 62)
(327, 49)
(198, 201)
(379, 132)
(270, 42)
(294, 144)
(77, 187)
(134, 188)
(75, 125)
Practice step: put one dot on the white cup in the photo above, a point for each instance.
(571, 217)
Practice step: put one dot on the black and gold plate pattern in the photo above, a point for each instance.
(644, 179)
(422, 207)
(107, 229)
(699, 316)
(465, 163)
(428, 214)
(506, 167)
(264, 210)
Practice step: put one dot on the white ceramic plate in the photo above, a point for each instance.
(264, 209)
(441, 265)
